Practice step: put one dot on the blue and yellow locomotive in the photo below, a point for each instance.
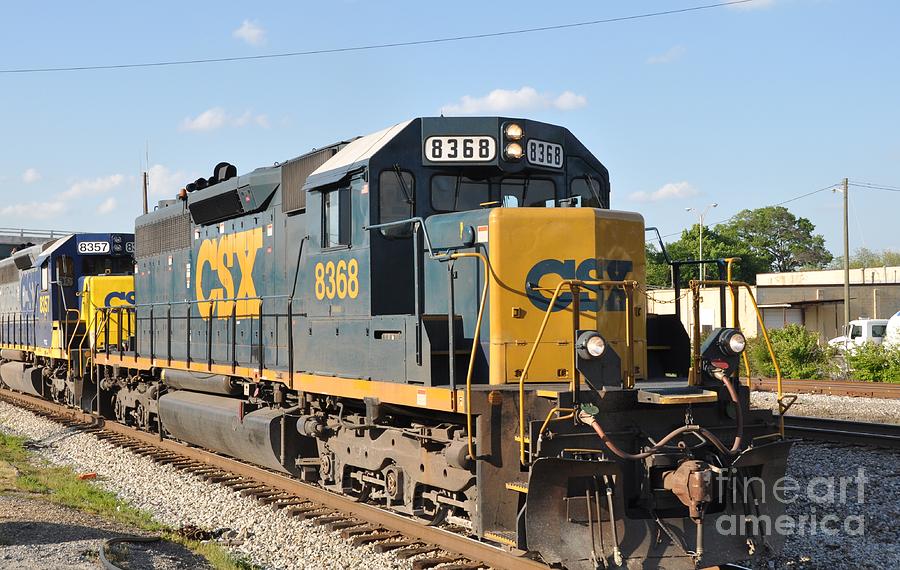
(444, 317)
(50, 295)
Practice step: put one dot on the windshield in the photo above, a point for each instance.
(459, 193)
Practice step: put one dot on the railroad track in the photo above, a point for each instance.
(843, 431)
(829, 387)
(360, 523)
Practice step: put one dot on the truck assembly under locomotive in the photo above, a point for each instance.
(444, 317)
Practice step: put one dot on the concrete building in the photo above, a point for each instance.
(814, 299)
(14, 238)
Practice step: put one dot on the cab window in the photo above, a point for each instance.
(336, 217)
(527, 192)
(586, 191)
(45, 276)
(856, 332)
(878, 331)
(396, 196)
(458, 193)
(65, 270)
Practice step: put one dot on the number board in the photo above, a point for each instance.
(460, 149)
(89, 247)
(543, 153)
(129, 247)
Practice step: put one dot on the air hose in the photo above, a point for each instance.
(717, 373)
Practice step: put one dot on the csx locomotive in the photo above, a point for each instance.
(443, 317)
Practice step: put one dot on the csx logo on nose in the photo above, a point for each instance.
(220, 256)
(587, 270)
(123, 298)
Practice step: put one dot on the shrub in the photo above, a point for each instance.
(874, 363)
(798, 352)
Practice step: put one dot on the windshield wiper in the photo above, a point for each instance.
(590, 180)
(397, 171)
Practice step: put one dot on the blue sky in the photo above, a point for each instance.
(743, 106)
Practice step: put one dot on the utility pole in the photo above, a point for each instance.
(846, 189)
(145, 191)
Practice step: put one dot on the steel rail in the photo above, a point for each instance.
(829, 387)
(466, 547)
(843, 431)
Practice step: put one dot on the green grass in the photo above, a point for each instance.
(61, 486)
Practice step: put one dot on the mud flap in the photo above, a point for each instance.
(556, 517)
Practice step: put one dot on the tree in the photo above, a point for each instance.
(775, 234)
(716, 245)
(865, 257)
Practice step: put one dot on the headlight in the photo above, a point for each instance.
(733, 343)
(513, 131)
(590, 345)
(513, 151)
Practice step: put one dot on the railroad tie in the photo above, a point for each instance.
(340, 525)
(426, 563)
(360, 530)
(396, 545)
(369, 538)
(406, 553)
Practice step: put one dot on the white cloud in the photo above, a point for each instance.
(31, 176)
(668, 56)
(753, 5)
(672, 190)
(205, 121)
(34, 210)
(107, 206)
(505, 100)
(250, 32)
(166, 183)
(92, 187)
(218, 117)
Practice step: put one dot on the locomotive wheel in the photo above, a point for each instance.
(357, 489)
(429, 512)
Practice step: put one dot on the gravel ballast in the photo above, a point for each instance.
(862, 531)
(266, 537)
(878, 410)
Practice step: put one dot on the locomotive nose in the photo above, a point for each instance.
(533, 250)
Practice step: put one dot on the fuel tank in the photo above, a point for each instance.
(217, 423)
(199, 382)
(21, 377)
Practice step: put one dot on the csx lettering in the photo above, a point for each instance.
(339, 279)
(587, 270)
(120, 298)
(221, 256)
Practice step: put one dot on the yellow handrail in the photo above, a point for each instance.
(475, 342)
(762, 327)
(735, 317)
(570, 413)
(540, 335)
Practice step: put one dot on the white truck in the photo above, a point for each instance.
(861, 331)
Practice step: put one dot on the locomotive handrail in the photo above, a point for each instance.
(628, 286)
(418, 220)
(695, 356)
(475, 342)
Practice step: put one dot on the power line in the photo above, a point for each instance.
(872, 186)
(789, 200)
(375, 46)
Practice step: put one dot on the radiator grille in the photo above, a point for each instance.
(294, 174)
(9, 273)
(161, 236)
